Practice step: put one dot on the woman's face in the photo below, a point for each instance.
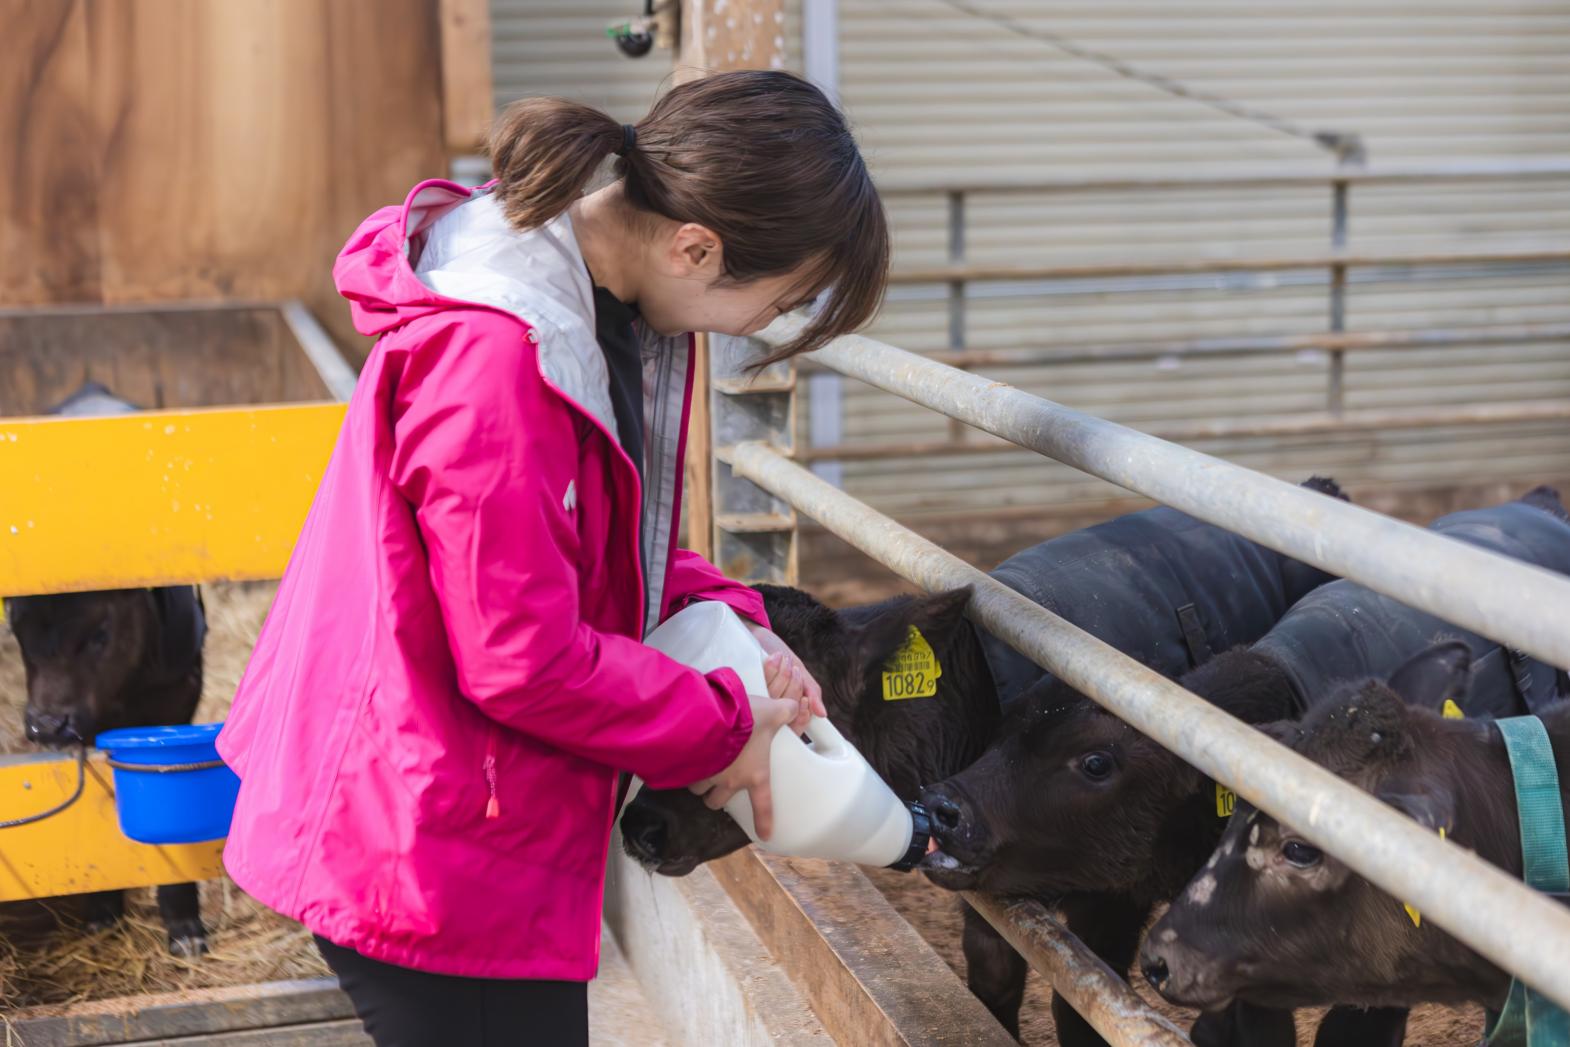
(682, 288)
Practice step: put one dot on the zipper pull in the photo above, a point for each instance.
(493, 807)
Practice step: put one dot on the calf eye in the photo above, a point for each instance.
(1096, 766)
(99, 639)
(1300, 854)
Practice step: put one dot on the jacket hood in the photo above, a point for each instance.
(375, 271)
(450, 247)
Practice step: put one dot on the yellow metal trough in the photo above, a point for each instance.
(157, 498)
(81, 848)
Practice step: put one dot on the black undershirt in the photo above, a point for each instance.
(624, 360)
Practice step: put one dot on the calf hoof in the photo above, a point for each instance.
(188, 939)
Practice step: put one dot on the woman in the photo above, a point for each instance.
(430, 730)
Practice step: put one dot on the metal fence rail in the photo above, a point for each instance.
(1097, 992)
(960, 273)
(1514, 413)
(1547, 167)
(1526, 253)
(1507, 601)
(1505, 921)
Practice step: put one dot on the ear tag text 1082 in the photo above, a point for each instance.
(913, 671)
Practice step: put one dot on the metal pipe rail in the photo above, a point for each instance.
(1381, 174)
(1514, 412)
(960, 271)
(1503, 599)
(1513, 926)
(1245, 345)
(1097, 992)
(1337, 260)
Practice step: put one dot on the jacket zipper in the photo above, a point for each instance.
(493, 807)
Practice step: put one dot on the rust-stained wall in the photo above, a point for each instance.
(206, 149)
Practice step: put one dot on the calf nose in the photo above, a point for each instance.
(645, 832)
(49, 728)
(947, 812)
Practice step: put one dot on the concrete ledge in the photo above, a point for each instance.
(700, 964)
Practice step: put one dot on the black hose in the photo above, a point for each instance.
(81, 782)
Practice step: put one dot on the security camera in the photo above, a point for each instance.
(634, 38)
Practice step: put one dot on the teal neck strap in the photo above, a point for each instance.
(1530, 1019)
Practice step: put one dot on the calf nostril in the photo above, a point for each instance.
(947, 813)
(647, 836)
(1155, 970)
(48, 726)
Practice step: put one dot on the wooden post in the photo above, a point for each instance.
(721, 35)
(467, 104)
(716, 36)
(699, 466)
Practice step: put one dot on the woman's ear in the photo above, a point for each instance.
(695, 252)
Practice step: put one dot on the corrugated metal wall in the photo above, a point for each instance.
(559, 47)
(939, 94)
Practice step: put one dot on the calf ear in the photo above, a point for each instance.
(1431, 677)
(182, 618)
(1284, 731)
(938, 616)
(1430, 805)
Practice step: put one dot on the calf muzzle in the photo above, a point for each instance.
(960, 841)
(52, 729)
(1182, 975)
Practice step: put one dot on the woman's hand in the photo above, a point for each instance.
(750, 769)
(788, 678)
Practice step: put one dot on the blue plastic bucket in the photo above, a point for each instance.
(175, 799)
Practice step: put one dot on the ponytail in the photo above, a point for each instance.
(544, 151)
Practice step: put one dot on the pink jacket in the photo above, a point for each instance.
(429, 732)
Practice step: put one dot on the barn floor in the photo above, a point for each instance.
(252, 944)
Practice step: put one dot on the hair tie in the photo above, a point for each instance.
(629, 138)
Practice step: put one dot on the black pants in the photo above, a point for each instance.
(406, 1008)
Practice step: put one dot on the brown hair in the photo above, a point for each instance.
(762, 158)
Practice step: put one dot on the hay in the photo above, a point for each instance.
(49, 957)
(69, 964)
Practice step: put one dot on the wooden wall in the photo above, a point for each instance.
(153, 150)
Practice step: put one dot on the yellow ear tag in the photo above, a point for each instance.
(1226, 801)
(1417, 917)
(913, 671)
(1451, 711)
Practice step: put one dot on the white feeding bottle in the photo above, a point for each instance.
(828, 801)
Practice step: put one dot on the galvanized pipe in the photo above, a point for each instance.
(1247, 345)
(1507, 601)
(1335, 396)
(956, 258)
(1551, 167)
(1084, 270)
(1505, 921)
(1507, 413)
(957, 307)
(1081, 977)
